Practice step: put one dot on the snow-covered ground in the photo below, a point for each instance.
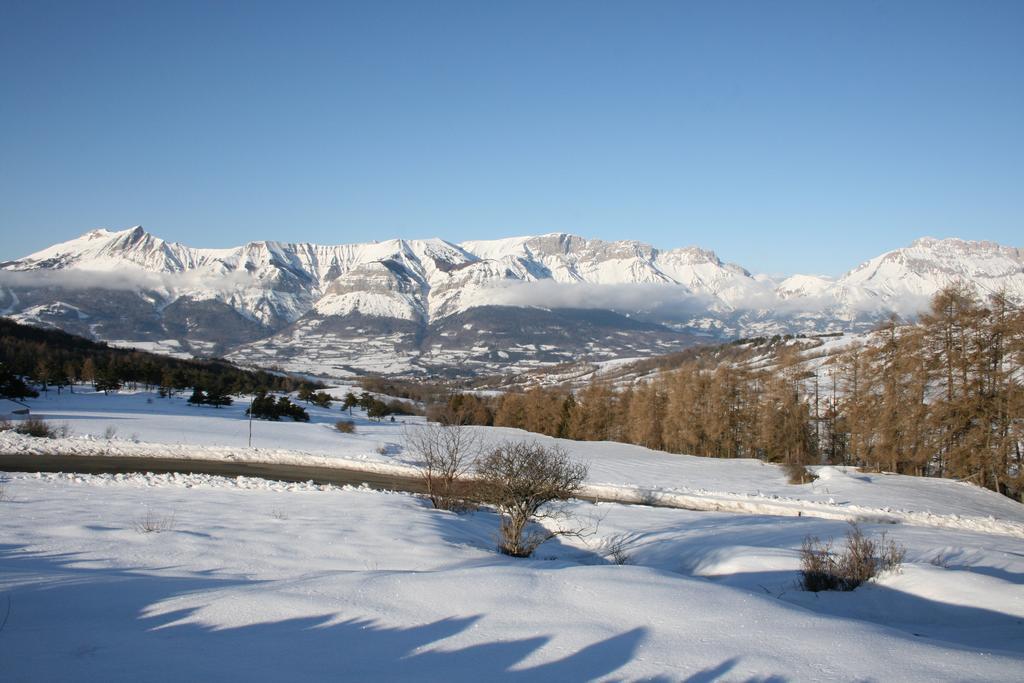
(253, 580)
(143, 424)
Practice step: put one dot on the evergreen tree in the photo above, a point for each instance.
(217, 396)
(376, 410)
(321, 398)
(106, 382)
(14, 387)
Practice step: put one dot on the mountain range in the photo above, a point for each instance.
(440, 308)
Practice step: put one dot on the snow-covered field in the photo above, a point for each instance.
(255, 580)
(143, 424)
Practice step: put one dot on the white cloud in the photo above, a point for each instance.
(668, 301)
(128, 279)
(627, 298)
(677, 301)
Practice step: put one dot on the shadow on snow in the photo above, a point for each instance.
(91, 624)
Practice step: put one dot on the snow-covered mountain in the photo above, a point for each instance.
(913, 274)
(435, 306)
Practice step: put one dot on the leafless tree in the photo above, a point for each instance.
(522, 480)
(448, 453)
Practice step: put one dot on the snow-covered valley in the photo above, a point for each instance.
(245, 578)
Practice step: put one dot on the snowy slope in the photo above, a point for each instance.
(261, 581)
(257, 580)
(929, 264)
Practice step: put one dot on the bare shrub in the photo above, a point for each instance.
(522, 480)
(345, 426)
(36, 427)
(110, 432)
(617, 548)
(152, 523)
(5, 425)
(891, 554)
(818, 566)
(448, 452)
(798, 474)
(863, 559)
(62, 431)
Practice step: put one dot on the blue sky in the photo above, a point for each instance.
(786, 136)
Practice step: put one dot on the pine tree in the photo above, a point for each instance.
(217, 396)
(106, 381)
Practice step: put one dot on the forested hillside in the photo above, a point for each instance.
(943, 397)
(56, 359)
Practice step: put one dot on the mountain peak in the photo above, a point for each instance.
(106, 232)
(957, 244)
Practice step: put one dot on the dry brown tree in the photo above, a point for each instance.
(522, 480)
(447, 454)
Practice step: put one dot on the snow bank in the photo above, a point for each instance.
(794, 507)
(11, 442)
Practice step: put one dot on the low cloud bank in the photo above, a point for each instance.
(639, 298)
(677, 301)
(665, 299)
(127, 279)
(654, 300)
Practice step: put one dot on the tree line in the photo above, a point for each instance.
(55, 359)
(943, 396)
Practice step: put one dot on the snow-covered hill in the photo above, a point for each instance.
(128, 577)
(416, 305)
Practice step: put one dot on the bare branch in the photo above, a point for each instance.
(522, 480)
(447, 453)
